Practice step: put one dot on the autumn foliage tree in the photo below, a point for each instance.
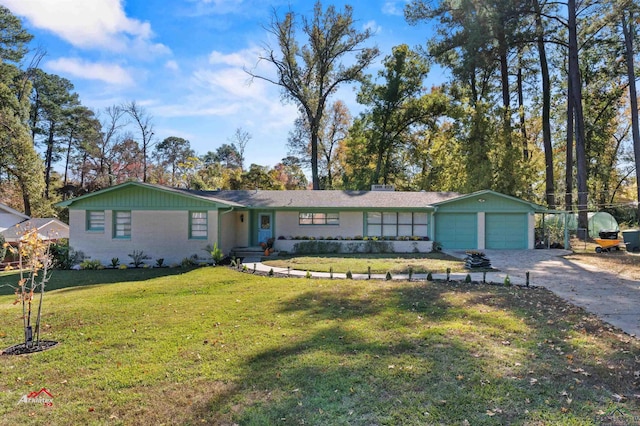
(309, 74)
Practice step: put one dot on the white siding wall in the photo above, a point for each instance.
(233, 232)
(160, 234)
(287, 225)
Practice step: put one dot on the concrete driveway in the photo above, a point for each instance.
(612, 297)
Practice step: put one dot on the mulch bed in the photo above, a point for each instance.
(22, 349)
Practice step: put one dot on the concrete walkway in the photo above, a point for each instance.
(612, 297)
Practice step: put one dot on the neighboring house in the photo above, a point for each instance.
(13, 224)
(174, 223)
(48, 229)
(10, 217)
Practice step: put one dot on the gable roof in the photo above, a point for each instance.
(166, 189)
(298, 199)
(14, 212)
(485, 192)
(308, 199)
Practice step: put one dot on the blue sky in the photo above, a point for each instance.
(182, 60)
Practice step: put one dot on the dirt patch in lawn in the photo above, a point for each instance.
(617, 262)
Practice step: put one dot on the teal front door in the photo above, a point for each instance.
(265, 227)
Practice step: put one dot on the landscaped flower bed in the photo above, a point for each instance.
(364, 245)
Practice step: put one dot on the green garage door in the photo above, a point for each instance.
(506, 231)
(457, 230)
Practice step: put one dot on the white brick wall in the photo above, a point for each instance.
(160, 234)
(287, 225)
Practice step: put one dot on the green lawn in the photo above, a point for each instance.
(216, 346)
(379, 263)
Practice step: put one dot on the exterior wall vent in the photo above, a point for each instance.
(383, 187)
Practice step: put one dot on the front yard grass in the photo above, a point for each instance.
(379, 263)
(216, 346)
(67, 278)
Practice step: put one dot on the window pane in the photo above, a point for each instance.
(374, 230)
(420, 230)
(404, 218)
(305, 219)
(405, 230)
(389, 230)
(374, 217)
(319, 219)
(122, 228)
(420, 218)
(96, 221)
(389, 218)
(199, 225)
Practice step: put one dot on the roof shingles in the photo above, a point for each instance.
(328, 198)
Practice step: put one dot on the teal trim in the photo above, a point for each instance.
(126, 230)
(89, 227)
(206, 225)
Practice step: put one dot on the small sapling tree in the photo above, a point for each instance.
(216, 253)
(34, 262)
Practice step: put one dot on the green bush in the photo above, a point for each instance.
(90, 264)
(3, 248)
(188, 262)
(63, 256)
(315, 246)
(137, 258)
(216, 254)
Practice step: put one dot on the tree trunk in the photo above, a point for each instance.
(628, 30)
(49, 160)
(568, 175)
(576, 97)
(67, 159)
(546, 110)
(315, 180)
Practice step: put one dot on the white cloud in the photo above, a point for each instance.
(89, 23)
(221, 89)
(394, 7)
(78, 68)
(373, 26)
(172, 65)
